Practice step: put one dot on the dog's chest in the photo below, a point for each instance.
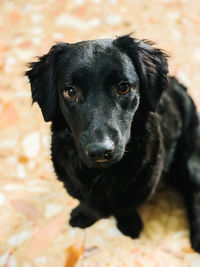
(109, 191)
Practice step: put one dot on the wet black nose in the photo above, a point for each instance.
(100, 152)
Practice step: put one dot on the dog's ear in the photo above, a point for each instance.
(151, 66)
(42, 77)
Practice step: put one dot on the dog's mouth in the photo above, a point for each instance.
(101, 160)
(101, 163)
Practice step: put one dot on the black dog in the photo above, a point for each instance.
(119, 125)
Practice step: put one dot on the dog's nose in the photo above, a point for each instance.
(100, 152)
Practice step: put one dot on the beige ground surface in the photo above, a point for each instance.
(34, 207)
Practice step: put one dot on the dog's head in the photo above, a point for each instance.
(98, 86)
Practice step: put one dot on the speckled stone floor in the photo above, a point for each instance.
(34, 207)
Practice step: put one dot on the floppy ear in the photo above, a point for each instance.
(151, 66)
(42, 77)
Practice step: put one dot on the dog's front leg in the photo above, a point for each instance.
(82, 216)
(193, 207)
(190, 185)
(129, 222)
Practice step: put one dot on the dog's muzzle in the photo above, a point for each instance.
(100, 152)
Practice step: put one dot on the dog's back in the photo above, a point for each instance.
(179, 121)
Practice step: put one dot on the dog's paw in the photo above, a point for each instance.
(195, 242)
(130, 227)
(81, 217)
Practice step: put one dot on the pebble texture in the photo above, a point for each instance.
(34, 207)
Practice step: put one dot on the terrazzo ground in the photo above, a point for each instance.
(34, 207)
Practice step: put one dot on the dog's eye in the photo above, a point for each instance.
(70, 92)
(123, 88)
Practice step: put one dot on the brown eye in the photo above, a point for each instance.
(70, 92)
(123, 88)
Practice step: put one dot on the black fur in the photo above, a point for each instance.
(138, 138)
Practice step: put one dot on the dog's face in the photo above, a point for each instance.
(98, 97)
(98, 86)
